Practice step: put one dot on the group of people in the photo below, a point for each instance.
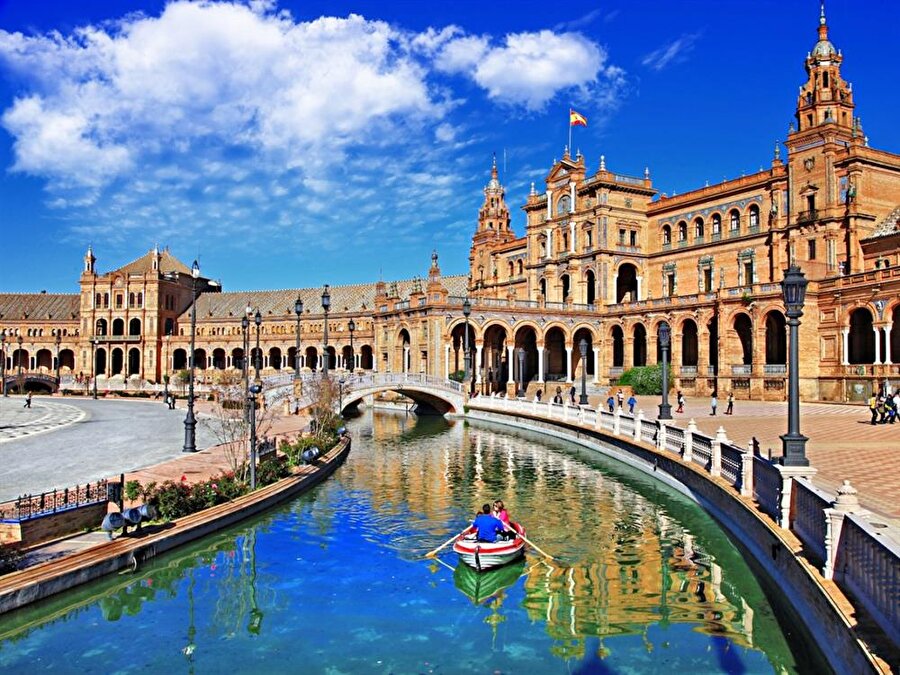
(884, 406)
(492, 523)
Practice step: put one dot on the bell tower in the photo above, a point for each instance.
(493, 224)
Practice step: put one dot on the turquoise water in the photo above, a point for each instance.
(334, 582)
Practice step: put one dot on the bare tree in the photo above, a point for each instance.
(323, 394)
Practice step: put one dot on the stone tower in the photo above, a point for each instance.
(493, 228)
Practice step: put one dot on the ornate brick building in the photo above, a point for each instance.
(603, 259)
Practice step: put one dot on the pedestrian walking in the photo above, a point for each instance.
(28, 400)
(873, 408)
(730, 408)
(611, 403)
(620, 397)
(572, 394)
(714, 403)
(680, 399)
(632, 401)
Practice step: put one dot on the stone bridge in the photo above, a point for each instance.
(29, 381)
(443, 396)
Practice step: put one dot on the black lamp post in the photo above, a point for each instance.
(254, 390)
(582, 347)
(245, 367)
(94, 363)
(521, 354)
(298, 310)
(190, 422)
(3, 362)
(326, 305)
(665, 337)
(467, 310)
(257, 353)
(793, 443)
(352, 327)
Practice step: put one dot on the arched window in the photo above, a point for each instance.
(667, 235)
(520, 268)
(682, 231)
(564, 205)
(735, 220)
(698, 228)
(716, 224)
(754, 218)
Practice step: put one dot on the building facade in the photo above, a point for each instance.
(603, 261)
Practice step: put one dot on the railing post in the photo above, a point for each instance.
(747, 470)
(688, 455)
(565, 412)
(599, 420)
(617, 421)
(661, 436)
(846, 502)
(788, 474)
(638, 422)
(715, 463)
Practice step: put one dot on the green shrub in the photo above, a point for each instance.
(133, 490)
(172, 500)
(458, 376)
(645, 380)
(270, 470)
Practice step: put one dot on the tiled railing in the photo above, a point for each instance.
(808, 511)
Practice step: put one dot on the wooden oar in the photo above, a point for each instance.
(446, 543)
(535, 546)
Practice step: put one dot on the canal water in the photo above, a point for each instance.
(642, 580)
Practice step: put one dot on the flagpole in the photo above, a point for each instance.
(570, 131)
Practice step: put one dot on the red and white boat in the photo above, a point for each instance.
(483, 555)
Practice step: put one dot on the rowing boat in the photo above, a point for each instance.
(483, 555)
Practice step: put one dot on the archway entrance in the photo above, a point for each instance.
(640, 345)
(626, 284)
(689, 344)
(744, 329)
(862, 336)
(776, 338)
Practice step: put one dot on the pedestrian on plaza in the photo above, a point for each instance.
(557, 397)
(572, 394)
(730, 408)
(680, 399)
(873, 408)
(632, 401)
(890, 409)
(620, 397)
(537, 395)
(611, 403)
(714, 403)
(28, 400)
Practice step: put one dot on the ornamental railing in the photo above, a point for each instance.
(26, 507)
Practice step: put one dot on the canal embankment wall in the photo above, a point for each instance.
(720, 477)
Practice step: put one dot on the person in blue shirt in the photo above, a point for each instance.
(487, 525)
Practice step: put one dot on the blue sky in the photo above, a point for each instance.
(294, 143)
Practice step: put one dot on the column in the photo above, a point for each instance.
(887, 343)
(510, 361)
(549, 242)
(596, 365)
(477, 364)
(447, 361)
(640, 281)
(611, 295)
(549, 205)
(877, 344)
(572, 236)
(568, 364)
(845, 343)
(571, 197)
(540, 351)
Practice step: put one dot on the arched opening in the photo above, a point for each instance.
(639, 351)
(494, 366)
(734, 219)
(44, 359)
(526, 338)
(332, 358)
(565, 285)
(275, 358)
(366, 359)
(346, 357)
(117, 362)
(577, 363)
(626, 284)
(895, 336)
(689, 343)
(134, 361)
(667, 235)
(713, 327)
(134, 327)
(682, 231)
(100, 361)
(101, 327)
(312, 358)
(618, 347)
(179, 359)
(118, 327)
(170, 327)
(237, 358)
(67, 359)
(555, 354)
(218, 359)
(744, 329)
(698, 229)
(591, 283)
(256, 359)
(292, 358)
(542, 285)
(754, 218)
(716, 224)
(200, 359)
(458, 349)
(21, 359)
(776, 338)
(862, 336)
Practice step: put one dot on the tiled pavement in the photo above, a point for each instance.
(17, 421)
(842, 443)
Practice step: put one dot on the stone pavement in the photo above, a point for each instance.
(842, 443)
(17, 421)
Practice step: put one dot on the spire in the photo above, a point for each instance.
(603, 162)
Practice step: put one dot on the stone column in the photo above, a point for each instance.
(572, 236)
(877, 344)
(845, 344)
(846, 502)
(568, 364)
(510, 356)
(478, 367)
(887, 343)
(572, 197)
(596, 379)
(540, 351)
(715, 462)
(549, 205)
(788, 473)
(447, 361)
(549, 232)
(688, 454)
(639, 280)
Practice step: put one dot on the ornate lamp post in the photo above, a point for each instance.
(190, 422)
(352, 327)
(253, 392)
(665, 336)
(3, 361)
(793, 443)
(257, 354)
(58, 341)
(520, 352)
(298, 310)
(245, 370)
(94, 342)
(326, 305)
(467, 310)
(582, 348)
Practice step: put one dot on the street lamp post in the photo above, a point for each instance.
(257, 354)
(582, 348)
(94, 342)
(351, 326)
(298, 310)
(254, 390)
(245, 368)
(793, 443)
(665, 336)
(326, 305)
(467, 310)
(521, 354)
(3, 361)
(190, 422)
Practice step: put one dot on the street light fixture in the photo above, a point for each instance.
(253, 391)
(793, 443)
(257, 354)
(245, 370)
(326, 305)
(582, 348)
(351, 326)
(665, 338)
(298, 310)
(190, 422)
(467, 310)
(521, 354)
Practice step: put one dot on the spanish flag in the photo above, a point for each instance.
(577, 119)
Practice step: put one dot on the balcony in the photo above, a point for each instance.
(689, 370)
(711, 371)
(807, 216)
(742, 369)
(616, 371)
(117, 338)
(775, 369)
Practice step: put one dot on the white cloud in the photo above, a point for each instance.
(674, 52)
